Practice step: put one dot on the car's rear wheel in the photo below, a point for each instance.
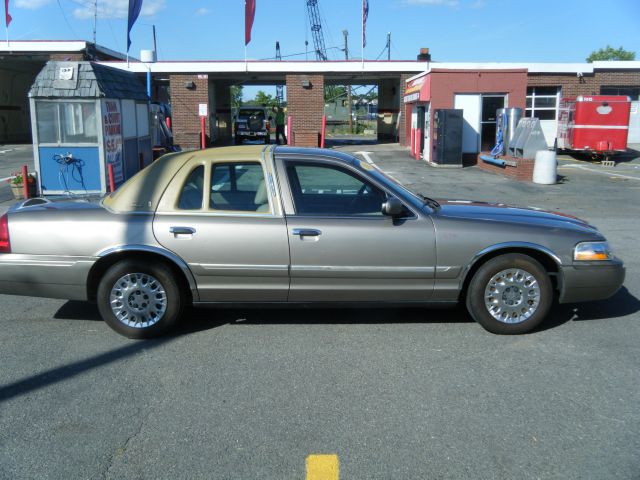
(139, 300)
(510, 294)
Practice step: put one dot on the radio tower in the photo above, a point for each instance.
(279, 87)
(316, 29)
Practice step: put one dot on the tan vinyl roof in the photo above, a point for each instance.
(142, 192)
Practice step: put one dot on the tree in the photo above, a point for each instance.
(263, 99)
(236, 96)
(610, 53)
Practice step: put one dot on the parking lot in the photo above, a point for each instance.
(395, 394)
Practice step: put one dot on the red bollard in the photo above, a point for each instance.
(324, 130)
(141, 156)
(413, 141)
(202, 135)
(289, 134)
(168, 122)
(25, 181)
(112, 183)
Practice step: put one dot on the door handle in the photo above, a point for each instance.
(182, 230)
(307, 232)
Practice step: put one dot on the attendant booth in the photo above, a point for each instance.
(478, 93)
(85, 117)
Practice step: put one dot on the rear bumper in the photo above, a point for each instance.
(45, 276)
(582, 283)
(248, 133)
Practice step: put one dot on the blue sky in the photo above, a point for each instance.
(454, 30)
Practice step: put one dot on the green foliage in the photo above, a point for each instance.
(263, 99)
(236, 96)
(610, 53)
(334, 92)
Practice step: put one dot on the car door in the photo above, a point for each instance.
(224, 219)
(342, 247)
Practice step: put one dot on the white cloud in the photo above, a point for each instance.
(117, 9)
(203, 11)
(31, 4)
(447, 3)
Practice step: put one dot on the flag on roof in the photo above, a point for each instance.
(249, 14)
(134, 10)
(7, 17)
(365, 15)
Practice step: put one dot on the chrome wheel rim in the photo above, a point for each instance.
(138, 300)
(512, 295)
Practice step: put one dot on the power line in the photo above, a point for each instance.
(298, 54)
(67, 21)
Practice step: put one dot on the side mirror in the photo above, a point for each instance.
(392, 207)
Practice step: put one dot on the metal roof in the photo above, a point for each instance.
(92, 80)
(55, 46)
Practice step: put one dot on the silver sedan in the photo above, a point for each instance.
(279, 225)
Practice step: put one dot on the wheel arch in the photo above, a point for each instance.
(547, 258)
(113, 255)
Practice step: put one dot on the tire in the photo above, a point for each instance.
(526, 294)
(140, 282)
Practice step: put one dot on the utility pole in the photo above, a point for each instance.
(95, 21)
(346, 57)
(279, 87)
(388, 45)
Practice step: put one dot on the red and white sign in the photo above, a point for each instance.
(112, 125)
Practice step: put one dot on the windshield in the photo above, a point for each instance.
(388, 179)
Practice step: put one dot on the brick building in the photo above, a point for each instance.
(536, 88)
(187, 86)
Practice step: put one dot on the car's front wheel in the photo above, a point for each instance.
(510, 294)
(139, 300)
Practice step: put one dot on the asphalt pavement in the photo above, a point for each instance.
(395, 394)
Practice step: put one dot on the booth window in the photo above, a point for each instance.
(542, 102)
(66, 122)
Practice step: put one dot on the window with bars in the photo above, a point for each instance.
(542, 102)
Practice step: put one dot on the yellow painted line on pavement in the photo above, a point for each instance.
(322, 467)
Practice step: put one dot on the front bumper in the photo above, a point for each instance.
(593, 281)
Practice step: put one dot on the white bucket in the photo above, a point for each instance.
(545, 168)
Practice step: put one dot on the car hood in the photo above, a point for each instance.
(509, 213)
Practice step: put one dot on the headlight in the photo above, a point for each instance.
(592, 251)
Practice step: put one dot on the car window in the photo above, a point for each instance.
(251, 113)
(331, 190)
(239, 187)
(192, 191)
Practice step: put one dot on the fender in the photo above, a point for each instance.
(159, 251)
(506, 246)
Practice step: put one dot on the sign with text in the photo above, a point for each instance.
(112, 128)
(203, 110)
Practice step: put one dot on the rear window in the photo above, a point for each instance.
(251, 113)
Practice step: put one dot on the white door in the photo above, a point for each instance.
(426, 153)
(634, 124)
(471, 104)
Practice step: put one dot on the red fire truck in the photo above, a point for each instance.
(597, 124)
